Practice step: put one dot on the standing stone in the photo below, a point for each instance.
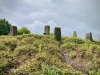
(88, 36)
(91, 39)
(57, 33)
(47, 30)
(13, 30)
(74, 34)
(99, 40)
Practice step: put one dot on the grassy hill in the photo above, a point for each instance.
(42, 55)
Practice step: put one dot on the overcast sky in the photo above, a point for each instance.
(81, 16)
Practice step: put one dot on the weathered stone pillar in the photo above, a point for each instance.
(99, 40)
(13, 30)
(88, 36)
(74, 34)
(57, 33)
(46, 30)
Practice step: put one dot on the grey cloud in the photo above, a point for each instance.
(38, 27)
(80, 15)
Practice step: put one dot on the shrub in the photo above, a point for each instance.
(52, 49)
(10, 43)
(69, 46)
(25, 50)
(7, 61)
(23, 30)
(29, 68)
(2, 46)
(53, 70)
(27, 40)
(41, 57)
(74, 40)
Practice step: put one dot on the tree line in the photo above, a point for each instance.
(5, 28)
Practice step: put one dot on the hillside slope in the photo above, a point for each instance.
(42, 55)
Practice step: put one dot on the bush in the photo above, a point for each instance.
(7, 61)
(10, 43)
(74, 40)
(69, 46)
(25, 50)
(23, 30)
(2, 46)
(28, 40)
(29, 68)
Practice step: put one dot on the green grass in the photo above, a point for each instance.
(32, 54)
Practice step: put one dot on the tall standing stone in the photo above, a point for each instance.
(91, 39)
(13, 30)
(74, 34)
(88, 36)
(47, 30)
(57, 33)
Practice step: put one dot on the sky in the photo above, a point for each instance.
(82, 16)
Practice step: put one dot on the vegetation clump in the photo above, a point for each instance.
(32, 54)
